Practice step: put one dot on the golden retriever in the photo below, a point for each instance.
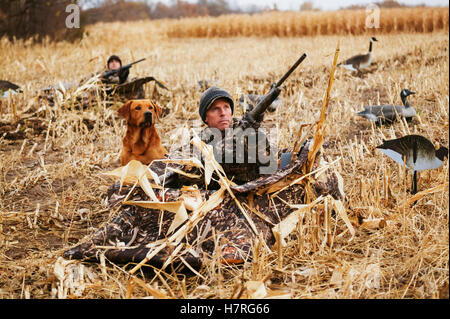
(141, 141)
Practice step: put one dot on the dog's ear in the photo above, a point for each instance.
(124, 110)
(158, 110)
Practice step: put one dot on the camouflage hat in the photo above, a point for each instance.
(209, 96)
(114, 57)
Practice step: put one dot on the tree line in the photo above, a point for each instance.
(48, 19)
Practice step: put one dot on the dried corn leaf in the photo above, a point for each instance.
(61, 87)
(287, 225)
(373, 276)
(421, 194)
(278, 294)
(191, 197)
(214, 200)
(60, 267)
(181, 172)
(208, 153)
(339, 207)
(280, 185)
(147, 188)
(336, 279)
(154, 176)
(255, 289)
(132, 173)
(156, 293)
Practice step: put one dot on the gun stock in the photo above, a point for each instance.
(265, 102)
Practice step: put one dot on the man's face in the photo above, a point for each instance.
(113, 65)
(219, 114)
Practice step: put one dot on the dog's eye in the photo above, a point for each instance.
(138, 108)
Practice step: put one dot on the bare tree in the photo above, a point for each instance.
(37, 18)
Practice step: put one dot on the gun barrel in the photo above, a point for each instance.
(132, 63)
(265, 102)
(126, 66)
(296, 64)
(273, 93)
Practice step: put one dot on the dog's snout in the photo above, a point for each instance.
(148, 116)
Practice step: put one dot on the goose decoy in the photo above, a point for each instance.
(416, 152)
(249, 101)
(6, 86)
(388, 113)
(359, 61)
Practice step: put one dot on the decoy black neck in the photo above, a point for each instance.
(370, 46)
(414, 184)
(442, 153)
(405, 101)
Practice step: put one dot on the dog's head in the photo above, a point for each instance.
(140, 113)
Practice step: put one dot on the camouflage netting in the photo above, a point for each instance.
(133, 233)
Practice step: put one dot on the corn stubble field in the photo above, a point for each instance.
(52, 188)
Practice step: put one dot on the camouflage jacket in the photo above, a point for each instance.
(111, 80)
(115, 78)
(243, 151)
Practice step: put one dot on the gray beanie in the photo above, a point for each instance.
(209, 96)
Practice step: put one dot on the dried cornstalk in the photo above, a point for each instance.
(320, 124)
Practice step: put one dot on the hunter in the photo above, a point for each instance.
(115, 63)
(111, 80)
(239, 145)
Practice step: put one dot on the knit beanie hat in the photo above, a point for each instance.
(114, 57)
(209, 96)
